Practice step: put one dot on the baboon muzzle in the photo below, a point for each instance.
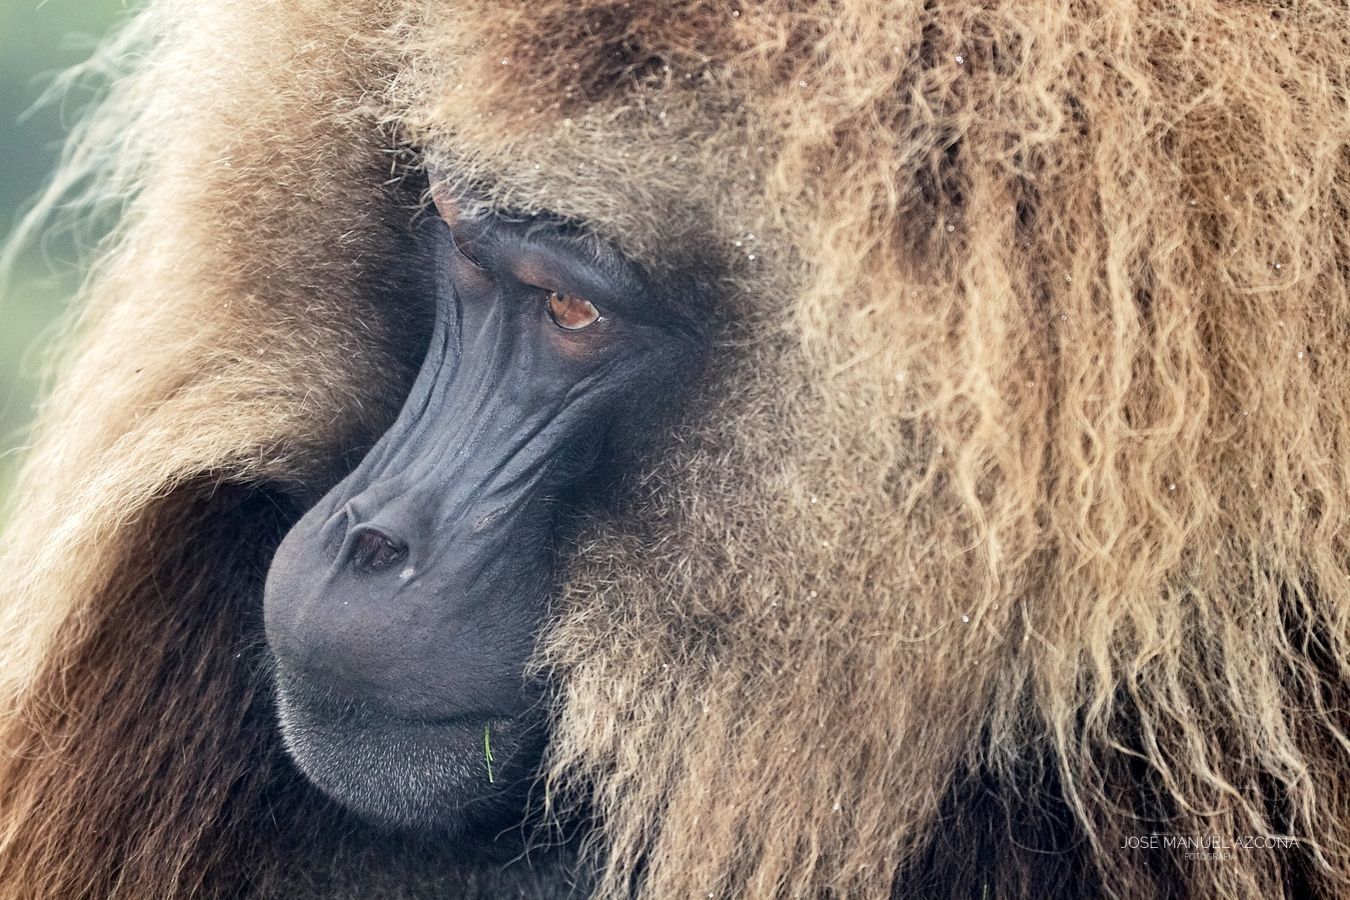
(419, 578)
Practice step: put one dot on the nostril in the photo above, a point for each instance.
(375, 551)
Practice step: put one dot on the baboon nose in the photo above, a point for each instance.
(370, 550)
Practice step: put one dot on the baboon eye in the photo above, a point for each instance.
(570, 312)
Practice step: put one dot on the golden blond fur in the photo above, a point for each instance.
(1011, 522)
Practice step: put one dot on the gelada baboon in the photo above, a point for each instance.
(838, 449)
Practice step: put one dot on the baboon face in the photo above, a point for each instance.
(403, 607)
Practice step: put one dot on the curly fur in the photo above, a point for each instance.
(1011, 522)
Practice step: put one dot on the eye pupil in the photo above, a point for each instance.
(570, 312)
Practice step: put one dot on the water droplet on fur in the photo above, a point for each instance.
(951, 228)
(1171, 487)
(801, 83)
(505, 61)
(1064, 317)
(966, 619)
(750, 256)
(1300, 354)
(813, 499)
(960, 60)
(406, 574)
(735, 13)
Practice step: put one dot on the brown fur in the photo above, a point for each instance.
(1012, 521)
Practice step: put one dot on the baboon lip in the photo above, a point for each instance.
(297, 696)
(415, 773)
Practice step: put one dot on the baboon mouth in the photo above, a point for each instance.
(445, 773)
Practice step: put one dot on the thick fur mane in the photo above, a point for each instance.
(1012, 521)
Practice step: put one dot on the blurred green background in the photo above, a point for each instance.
(38, 39)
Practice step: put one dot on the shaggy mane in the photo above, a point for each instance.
(1011, 522)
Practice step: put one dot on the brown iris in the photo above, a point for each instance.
(571, 312)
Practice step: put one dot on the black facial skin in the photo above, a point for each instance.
(403, 607)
